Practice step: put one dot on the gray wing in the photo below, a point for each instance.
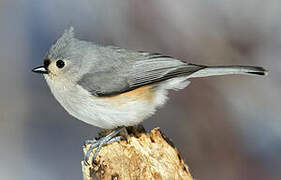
(127, 70)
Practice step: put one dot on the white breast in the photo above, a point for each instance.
(101, 112)
(109, 112)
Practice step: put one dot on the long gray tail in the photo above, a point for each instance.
(227, 70)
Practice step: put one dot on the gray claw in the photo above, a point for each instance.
(100, 143)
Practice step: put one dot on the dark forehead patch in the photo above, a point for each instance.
(47, 62)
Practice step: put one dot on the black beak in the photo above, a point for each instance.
(40, 69)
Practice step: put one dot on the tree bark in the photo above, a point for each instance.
(141, 156)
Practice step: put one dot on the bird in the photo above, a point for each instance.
(112, 88)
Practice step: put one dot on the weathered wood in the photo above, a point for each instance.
(141, 156)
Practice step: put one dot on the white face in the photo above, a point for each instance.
(55, 67)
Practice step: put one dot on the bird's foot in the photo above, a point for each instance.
(108, 139)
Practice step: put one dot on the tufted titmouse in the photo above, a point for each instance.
(111, 87)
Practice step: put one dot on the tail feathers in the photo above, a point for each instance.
(227, 70)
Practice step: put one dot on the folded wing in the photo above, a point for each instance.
(133, 71)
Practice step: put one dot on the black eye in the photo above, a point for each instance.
(60, 64)
(47, 63)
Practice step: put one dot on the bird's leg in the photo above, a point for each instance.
(108, 139)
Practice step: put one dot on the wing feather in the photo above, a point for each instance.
(135, 69)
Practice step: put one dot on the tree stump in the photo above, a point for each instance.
(142, 156)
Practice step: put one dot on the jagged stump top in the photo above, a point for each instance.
(141, 156)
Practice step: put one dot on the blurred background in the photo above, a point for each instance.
(225, 127)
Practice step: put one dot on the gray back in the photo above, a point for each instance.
(106, 71)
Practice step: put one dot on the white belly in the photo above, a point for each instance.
(127, 109)
(103, 112)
